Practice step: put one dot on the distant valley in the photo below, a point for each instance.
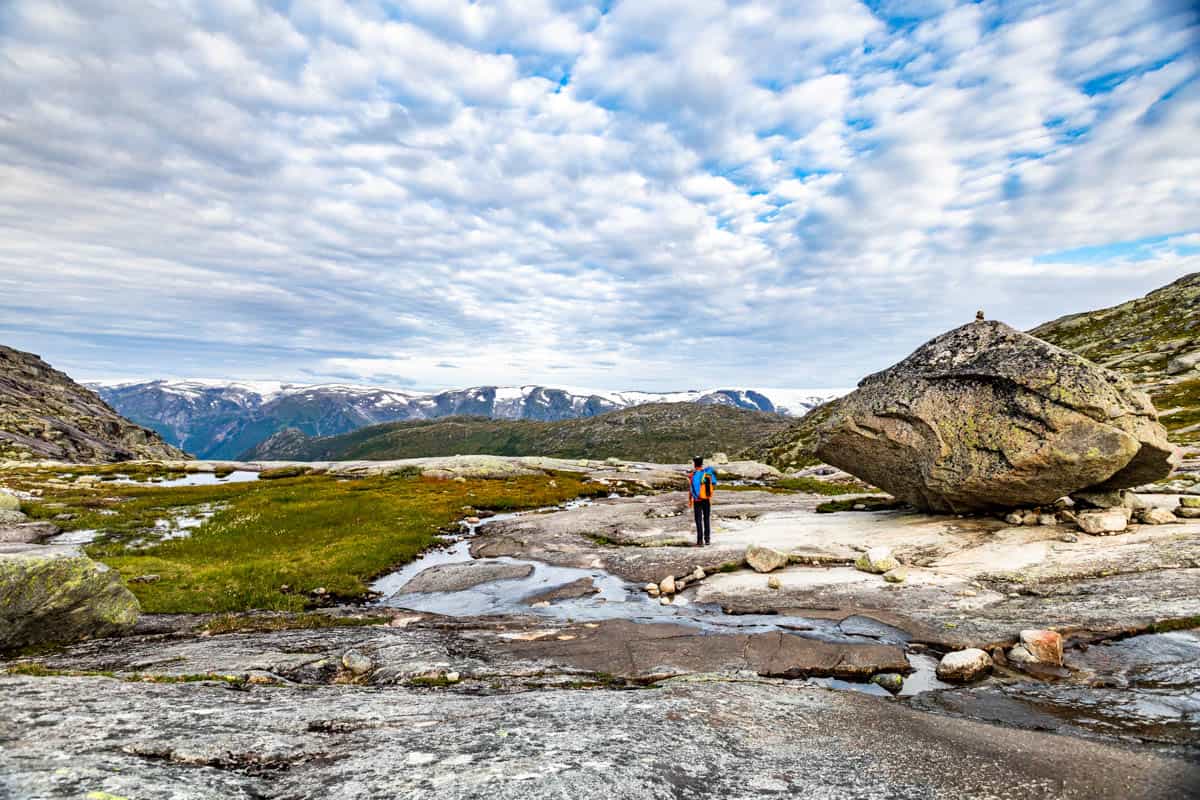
(223, 420)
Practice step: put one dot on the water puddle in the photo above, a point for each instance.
(614, 598)
(194, 479)
(177, 526)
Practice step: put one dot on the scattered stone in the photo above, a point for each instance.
(9, 517)
(1045, 646)
(1047, 520)
(892, 681)
(896, 575)
(698, 574)
(877, 560)
(664, 600)
(357, 662)
(1101, 522)
(963, 666)
(1187, 512)
(765, 559)
(9, 503)
(773, 582)
(1189, 501)
(1156, 516)
(667, 585)
(652, 589)
(1028, 516)
(472, 520)
(680, 585)
(1019, 656)
(1081, 426)
(56, 594)
(149, 578)
(1113, 499)
(1069, 538)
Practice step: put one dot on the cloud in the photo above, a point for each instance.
(647, 195)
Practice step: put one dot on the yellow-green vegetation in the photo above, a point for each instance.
(818, 486)
(1181, 401)
(881, 503)
(270, 545)
(795, 446)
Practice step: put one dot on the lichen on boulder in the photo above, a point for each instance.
(56, 594)
(986, 417)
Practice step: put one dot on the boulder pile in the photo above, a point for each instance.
(986, 417)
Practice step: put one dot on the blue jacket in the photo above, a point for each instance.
(697, 478)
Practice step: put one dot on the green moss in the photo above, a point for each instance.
(1181, 624)
(431, 681)
(866, 503)
(817, 486)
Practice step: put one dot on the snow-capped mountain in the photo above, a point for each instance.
(220, 419)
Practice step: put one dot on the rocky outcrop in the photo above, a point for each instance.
(987, 417)
(44, 415)
(55, 594)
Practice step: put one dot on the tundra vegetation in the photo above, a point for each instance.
(287, 544)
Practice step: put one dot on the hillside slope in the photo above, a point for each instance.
(662, 432)
(1153, 340)
(46, 415)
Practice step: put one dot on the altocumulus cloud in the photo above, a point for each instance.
(642, 194)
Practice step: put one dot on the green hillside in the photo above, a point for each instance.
(660, 432)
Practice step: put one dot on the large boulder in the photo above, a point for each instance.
(56, 594)
(987, 417)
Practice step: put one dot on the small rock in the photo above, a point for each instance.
(1045, 646)
(664, 600)
(897, 575)
(10, 517)
(1189, 501)
(357, 662)
(698, 574)
(765, 559)
(1156, 516)
(1021, 657)
(652, 589)
(891, 681)
(320, 591)
(9, 503)
(453, 677)
(963, 666)
(773, 582)
(1069, 538)
(1101, 522)
(540, 604)
(1048, 520)
(877, 560)
(150, 578)
(472, 520)
(1187, 512)
(680, 585)
(667, 585)
(1102, 500)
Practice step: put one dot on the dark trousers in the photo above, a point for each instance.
(703, 511)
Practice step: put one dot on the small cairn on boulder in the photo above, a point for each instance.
(986, 418)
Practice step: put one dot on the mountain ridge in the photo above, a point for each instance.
(219, 419)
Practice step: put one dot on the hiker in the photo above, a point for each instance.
(701, 483)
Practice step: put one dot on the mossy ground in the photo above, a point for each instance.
(270, 544)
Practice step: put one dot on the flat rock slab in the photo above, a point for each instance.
(569, 591)
(714, 739)
(457, 577)
(640, 652)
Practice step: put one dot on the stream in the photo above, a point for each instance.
(1142, 689)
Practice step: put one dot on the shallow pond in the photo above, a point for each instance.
(196, 479)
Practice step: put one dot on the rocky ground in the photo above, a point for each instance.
(483, 709)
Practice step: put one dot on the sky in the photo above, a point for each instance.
(650, 194)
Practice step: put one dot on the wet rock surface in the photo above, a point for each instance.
(456, 577)
(987, 417)
(507, 726)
